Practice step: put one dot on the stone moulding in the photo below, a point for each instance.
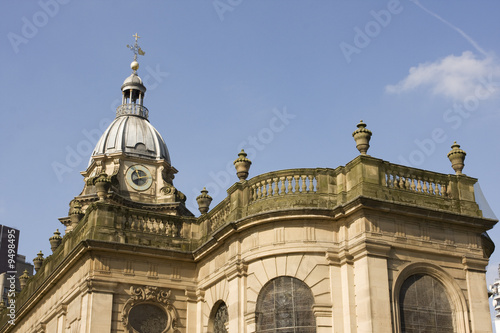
(162, 315)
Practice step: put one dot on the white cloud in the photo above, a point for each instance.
(454, 76)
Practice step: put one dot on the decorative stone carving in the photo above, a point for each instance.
(242, 165)
(38, 261)
(149, 310)
(75, 213)
(169, 189)
(55, 240)
(23, 279)
(102, 184)
(362, 137)
(457, 157)
(203, 201)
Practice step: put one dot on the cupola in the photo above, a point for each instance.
(130, 132)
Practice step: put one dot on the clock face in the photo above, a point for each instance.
(139, 177)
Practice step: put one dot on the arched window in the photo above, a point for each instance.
(285, 305)
(424, 306)
(221, 319)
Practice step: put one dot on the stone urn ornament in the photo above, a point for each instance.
(362, 137)
(457, 158)
(55, 240)
(203, 201)
(75, 214)
(242, 165)
(102, 184)
(38, 261)
(23, 279)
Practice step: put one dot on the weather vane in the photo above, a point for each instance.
(136, 48)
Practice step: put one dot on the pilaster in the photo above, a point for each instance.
(475, 272)
(372, 296)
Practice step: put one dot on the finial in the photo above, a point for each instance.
(38, 261)
(457, 158)
(137, 51)
(242, 165)
(55, 240)
(23, 279)
(362, 137)
(203, 201)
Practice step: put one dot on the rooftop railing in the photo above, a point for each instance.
(364, 176)
(132, 109)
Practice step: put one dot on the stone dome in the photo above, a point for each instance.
(132, 79)
(133, 82)
(134, 136)
(131, 133)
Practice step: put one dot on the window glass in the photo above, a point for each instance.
(285, 305)
(424, 306)
(220, 319)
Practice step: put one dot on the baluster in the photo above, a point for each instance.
(126, 222)
(137, 223)
(264, 189)
(395, 180)
(303, 190)
(425, 189)
(289, 184)
(275, 183)
(444, 193)
(407, 182)
(412, 185)
(401, 183)
(389, 180)
(259, 190)
(311, 184)
(419, 185)
(297, 185)
(432, 184)
(384, 179)
(282, 188)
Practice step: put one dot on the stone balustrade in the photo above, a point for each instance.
(132, 109)
(416, 180)
(285, 182)
(365, 176)
(216, 217)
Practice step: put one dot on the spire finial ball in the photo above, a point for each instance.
(134, 65)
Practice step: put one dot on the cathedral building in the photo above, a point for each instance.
(370, 246)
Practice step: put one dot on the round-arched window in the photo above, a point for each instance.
(221, 319)
(285, 305)
(424, 306)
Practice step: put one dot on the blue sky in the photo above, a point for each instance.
(420, 74)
